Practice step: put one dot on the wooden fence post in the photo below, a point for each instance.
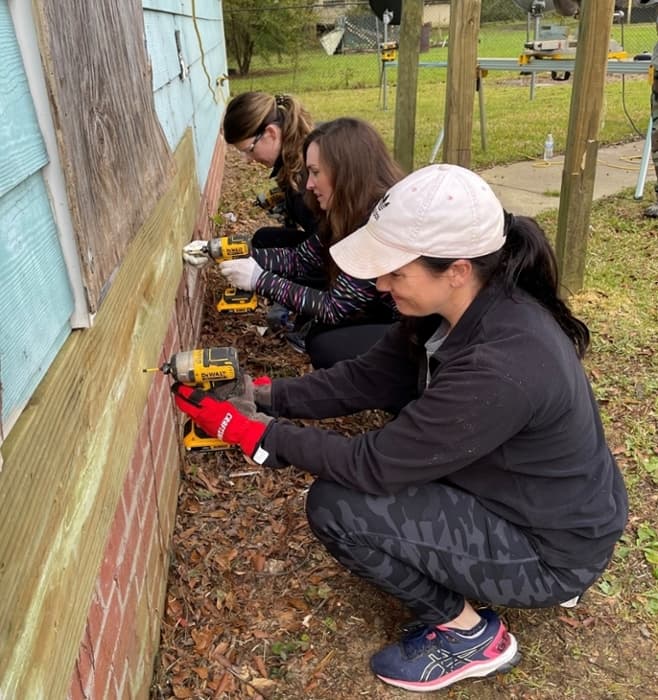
(411, 21)
(461, 81)
(579, 171)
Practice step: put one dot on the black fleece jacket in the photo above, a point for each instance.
(508, 415)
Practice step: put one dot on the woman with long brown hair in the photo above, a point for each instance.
(349, 170)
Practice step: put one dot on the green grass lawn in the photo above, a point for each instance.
(332, 86)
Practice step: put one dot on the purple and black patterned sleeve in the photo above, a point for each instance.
(346, 298)
(304, 259)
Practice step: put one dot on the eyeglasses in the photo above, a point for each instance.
(250, 148)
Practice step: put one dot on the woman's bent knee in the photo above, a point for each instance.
(321, 496)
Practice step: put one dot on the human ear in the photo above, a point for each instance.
(460, 272)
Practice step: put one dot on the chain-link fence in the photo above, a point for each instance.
(345, 57)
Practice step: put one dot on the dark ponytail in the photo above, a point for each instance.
(526, 262)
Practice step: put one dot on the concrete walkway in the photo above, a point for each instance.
(533, 186)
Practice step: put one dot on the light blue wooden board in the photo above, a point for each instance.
(209, 9)
(161, 46)
(22, 151)
(35, 295)
(190, 102)
(208, 119)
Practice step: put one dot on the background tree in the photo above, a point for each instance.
(500, 11)
(266, 28)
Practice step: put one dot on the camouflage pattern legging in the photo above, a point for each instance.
(433, 546)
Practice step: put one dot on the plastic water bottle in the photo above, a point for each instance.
(548, 147)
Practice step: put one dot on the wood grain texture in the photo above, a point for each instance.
(461, 80)
(66, 458)
(116, 160)
(579, 172)
(405, 102)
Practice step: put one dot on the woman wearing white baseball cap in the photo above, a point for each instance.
(492, 481)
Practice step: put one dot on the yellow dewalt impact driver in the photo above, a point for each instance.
(232, 248)
(214, 369)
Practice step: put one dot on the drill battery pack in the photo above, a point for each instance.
(237, 301)
(197, 440)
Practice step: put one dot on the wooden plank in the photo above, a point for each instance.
(22, 151)
(66, 458)
(160, 30)
(460, 85)
(203, 9)
(579, 170)
(180, 103)
(407, 87)
(114, 154)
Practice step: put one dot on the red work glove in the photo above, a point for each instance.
(219, 418)
(262, 381)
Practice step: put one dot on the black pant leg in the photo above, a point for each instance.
(327, 345)
(432, 546)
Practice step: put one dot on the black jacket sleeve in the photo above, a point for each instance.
(386, 377)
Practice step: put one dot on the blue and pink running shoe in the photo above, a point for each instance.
(432, 657)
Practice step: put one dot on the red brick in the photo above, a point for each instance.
(84, 665)
(212, 188)
(107, 573)
(96, 614)
(126, 631)
(76, 687)
(134, 477)
(104, 645)
(129, 552)
(117, 687)
(147, 533)
(140, 478)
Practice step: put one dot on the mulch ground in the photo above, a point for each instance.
(255, 608)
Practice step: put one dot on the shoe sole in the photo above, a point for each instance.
(571, 603)
(501, 664)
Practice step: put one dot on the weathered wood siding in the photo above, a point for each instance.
(112, 148)
(35, 296)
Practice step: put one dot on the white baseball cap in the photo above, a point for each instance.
(439, 211)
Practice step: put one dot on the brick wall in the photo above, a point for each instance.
(122, 633)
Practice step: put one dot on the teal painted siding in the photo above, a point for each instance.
(191, 102)
(35, 295)
(22, 151)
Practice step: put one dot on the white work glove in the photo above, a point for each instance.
(195, 255)
(242, 273)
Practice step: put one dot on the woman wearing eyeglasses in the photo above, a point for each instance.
(270, 129)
